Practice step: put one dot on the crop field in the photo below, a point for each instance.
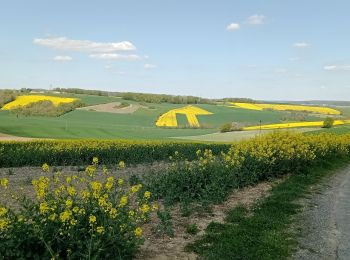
(127, 175)
(278, 107)
(142, 120)
(101, 203)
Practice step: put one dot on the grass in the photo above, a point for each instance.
(265, 232)
(335, 130)
(138, 125)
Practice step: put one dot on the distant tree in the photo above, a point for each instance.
(328, 122)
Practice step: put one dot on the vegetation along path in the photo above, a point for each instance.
(327, 221)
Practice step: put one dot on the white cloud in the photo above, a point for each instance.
(337, 67)
(65, 44)
(256, 19)
(115, 56)
(233, 27)
(301, 45)
(149, 66)
(62, 58)
(108, 67)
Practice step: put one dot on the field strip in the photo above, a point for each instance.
(236, 135)
(112, 108)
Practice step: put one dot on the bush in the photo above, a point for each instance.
(46, 108)
(229, 127)
(6, 96)
(75, 217)
(328, 122)
(226, 128)
(212, 177)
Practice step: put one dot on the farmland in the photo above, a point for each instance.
(144, 121)
(115, 170)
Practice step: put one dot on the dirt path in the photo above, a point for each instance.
(113, 108)
(4, 137)
(326, 221)
(168, 248)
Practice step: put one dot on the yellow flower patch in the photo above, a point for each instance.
(294, 125)
(168, 119)
(22, 101)
(312, 109)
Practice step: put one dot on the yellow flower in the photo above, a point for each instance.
(138, 232)
(4, 223)
(45, 167)
(154, 206)
(53, 217)
(95, 160)
(69, 179)
(44, 207)
(73, 222)
(121, 165)
(100, 230)
(65, 215)
(90, 170)
(71, 191)
(113, 213)
(4, 182)
(145, 208)
(123, 201)
(82, 212)
(85, 194)
(69, 203)
(41, 186)
(102, 202)
(109, 183)
(3, 211)
(96, 186)
(92, 219)
(147, 195)
(120, 182)
(136, 188)
(131, 213)
(75, 209)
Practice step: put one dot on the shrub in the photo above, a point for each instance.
(75, 217)
(211, 177)
(46, 108)
(226, 128)
(328, 122)
(7, 96)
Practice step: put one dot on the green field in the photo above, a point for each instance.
(138, 125)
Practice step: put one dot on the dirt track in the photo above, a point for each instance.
(4, 137)
(326, 221)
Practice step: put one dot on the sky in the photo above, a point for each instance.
(271, 49)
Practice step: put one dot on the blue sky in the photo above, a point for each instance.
(276, 50)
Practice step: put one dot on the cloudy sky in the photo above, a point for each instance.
(271, 49)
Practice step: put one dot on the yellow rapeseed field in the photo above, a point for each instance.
(168, 119)
(294, 125)
(28, 99)
(313, 109)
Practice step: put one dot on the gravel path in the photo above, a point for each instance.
(326, 227)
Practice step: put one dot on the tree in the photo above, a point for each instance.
(328, 122)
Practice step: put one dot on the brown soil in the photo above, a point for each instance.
(113, 108)
(4, 137)
(161, 248)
